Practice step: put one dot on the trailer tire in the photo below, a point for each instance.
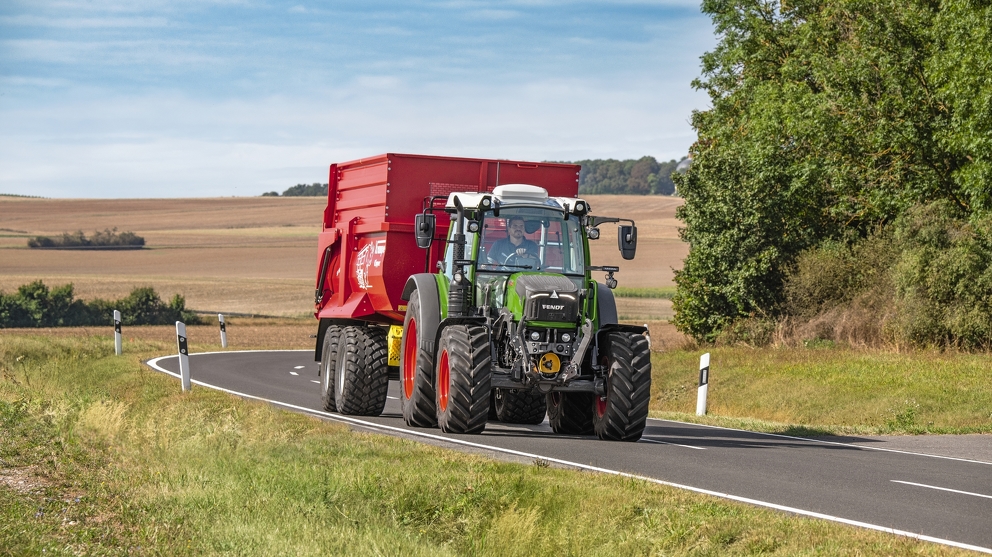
(518, 406)
(416, 369)
(361, 374)
(622, 413)
(570, 413)
(328, 359)
(463, 379)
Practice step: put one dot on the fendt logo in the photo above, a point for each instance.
(556, 308)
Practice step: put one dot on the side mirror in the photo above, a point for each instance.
(628, 241)
(423, 228)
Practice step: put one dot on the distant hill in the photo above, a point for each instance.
(643, 176)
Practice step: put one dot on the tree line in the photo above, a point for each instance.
(842, 175)
(643, 176)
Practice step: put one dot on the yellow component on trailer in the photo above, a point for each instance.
(393, 339)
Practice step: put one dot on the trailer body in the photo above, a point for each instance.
(367, 250)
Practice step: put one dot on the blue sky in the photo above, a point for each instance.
(237, 97)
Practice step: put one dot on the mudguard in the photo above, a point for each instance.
(430, 305)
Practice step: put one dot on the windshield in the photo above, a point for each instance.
(531, 238)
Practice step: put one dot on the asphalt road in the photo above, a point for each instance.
(937, 498)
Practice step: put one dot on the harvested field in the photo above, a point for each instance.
(256, 255)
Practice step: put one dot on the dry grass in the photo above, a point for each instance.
(257, 255)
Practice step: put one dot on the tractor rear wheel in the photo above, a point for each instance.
(416, 369)
(570, 413)
(463, 378)
(361, 375)
(328, 359)
(621, 414)
(517, 406)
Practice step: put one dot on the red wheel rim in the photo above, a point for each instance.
(443, 381)
(410, 358)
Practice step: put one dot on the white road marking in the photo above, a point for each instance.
(315, 381)
(153, 363)
(293, 373)
(646, 440)
(811, 440)
(943, 489)
(391, 398)
(299, 367)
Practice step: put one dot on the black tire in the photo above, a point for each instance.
(570, 413)
(416, 369)
(623, 412)
(328, 359)
(463, 379)
(517, 406)
(361, 376)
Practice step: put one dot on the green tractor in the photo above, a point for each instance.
(512, 326)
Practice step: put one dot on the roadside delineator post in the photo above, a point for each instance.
(183, 355)
(223, 331)
(647, 335)
(118, 348)
(704, 383)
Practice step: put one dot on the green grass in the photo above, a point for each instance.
(665, 292)
(810, 391)
(121, 462)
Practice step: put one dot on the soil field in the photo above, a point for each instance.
(256, 255)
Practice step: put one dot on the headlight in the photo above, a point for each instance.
(565, 337)
(535, 335)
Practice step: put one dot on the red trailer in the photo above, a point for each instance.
(371, 205)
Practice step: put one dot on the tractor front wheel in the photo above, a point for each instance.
(462, 379)
(517, 406)
(570, 413)
(622, 413)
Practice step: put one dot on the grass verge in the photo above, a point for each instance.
(813, 391)
(102, 456)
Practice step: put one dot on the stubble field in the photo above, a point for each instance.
(256, 255)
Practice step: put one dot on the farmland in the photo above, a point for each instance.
(255, 255)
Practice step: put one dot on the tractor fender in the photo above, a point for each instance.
(430, 307)
(606, 306)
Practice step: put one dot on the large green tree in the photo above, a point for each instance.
(829, 119)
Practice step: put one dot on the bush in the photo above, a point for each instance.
(107, 238)
(924, 281)
(35, 305)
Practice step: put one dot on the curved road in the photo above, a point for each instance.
(939, 498)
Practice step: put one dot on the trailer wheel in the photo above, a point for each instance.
(518, 406)
(328, 359)
(463, 379)
(416, 370)
(361, 375)
(621, 414)
(570, 413)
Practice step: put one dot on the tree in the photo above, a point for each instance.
(829, 119)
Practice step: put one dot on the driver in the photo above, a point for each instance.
(514, 244)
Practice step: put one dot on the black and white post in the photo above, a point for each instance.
(223, 331)
(704, 384)
(118, 348)
(183, 355)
